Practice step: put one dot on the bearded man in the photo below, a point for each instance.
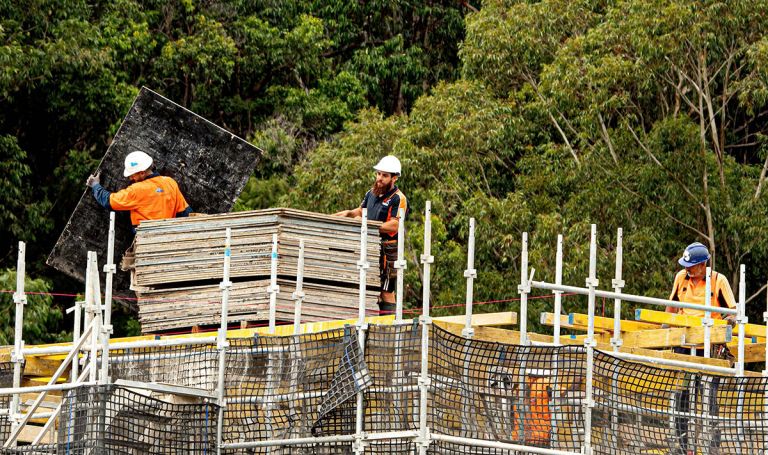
(385, 202)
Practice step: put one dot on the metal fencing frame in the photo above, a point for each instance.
(95, 338)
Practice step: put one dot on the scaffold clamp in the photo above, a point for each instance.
(470, 273)
(427, 259)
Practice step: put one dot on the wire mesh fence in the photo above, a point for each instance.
(295, 394)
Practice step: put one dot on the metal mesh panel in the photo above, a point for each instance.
(640, 408)
(513, 394)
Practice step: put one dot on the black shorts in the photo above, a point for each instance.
(388, 280)
(387, 272)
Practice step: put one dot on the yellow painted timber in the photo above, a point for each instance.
(580, 319)
(513, 337)
(483, 319)
(548, 319)
(753, 352)
(676, 336)
(681, 320)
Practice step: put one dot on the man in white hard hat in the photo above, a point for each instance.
(150, 196)
(385, 203)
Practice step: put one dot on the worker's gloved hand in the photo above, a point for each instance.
(93, 179)
(731, 320)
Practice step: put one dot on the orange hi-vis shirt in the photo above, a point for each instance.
(155, 198)
(684, 290)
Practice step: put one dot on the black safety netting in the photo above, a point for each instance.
(513, 394)
(292, 387)
(642, 409)
(193, 366)
(6, 380)
(110, 419)
(307, 387)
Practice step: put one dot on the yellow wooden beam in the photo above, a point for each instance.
(682, 320)
(604, 323)
(548, 319)
(676, 336)
(483, 319)
(753, 352)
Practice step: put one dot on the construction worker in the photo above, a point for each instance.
(690, 287)
(690, 283)
(150, 196)
(385, 202)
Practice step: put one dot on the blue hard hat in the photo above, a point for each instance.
(695, 253)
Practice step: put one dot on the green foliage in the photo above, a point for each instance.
(40, 318)
(546, 117)
(24, 212)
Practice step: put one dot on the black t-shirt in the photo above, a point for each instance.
(384, 208)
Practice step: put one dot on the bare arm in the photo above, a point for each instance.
(354, 213)
(390, 227)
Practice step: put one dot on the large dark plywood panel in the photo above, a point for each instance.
(211, 165)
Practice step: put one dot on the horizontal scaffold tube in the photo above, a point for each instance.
(630, 297)
(43, 388)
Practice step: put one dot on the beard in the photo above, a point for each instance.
(379, 189)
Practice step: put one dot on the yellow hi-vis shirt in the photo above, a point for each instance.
(685, 291)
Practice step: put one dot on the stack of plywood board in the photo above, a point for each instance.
(179, 265)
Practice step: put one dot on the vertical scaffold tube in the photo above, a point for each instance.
(524, 289)
(358, 445)
(20, 299)
(221, 339)
(94, 307)
(589, 343)
(273, 287)
(618, 285)
(362, 267)
(106, 328)
(741, 319)
(298, 295)
(558, 294)
(401, 264)
(424, 382)
(470, 274)
(706, 321)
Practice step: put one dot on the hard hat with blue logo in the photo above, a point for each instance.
(695, 253)
(136, 162)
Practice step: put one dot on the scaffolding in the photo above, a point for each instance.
(419, 385)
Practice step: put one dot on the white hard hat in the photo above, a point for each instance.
(136, 162)
(389, 164)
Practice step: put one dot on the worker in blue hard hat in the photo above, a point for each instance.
(690, 283)
(690, 287)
